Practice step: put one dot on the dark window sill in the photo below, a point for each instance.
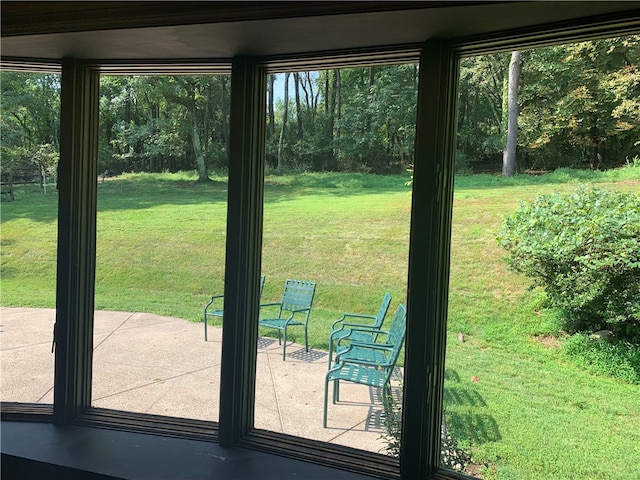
(42, 450)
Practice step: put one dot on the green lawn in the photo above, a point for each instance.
(514, 400)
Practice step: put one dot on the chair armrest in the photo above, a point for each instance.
(300, 310)
(213, 298)
(351, 327)
(270, 304)
(290, 318)
(363, 330)
(372, 346)
(351, 315)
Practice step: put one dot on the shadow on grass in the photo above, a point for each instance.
(142, 192)
(465, 415)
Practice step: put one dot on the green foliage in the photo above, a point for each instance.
(393, 423)
(480, 122)
(163, 123)
(580, 102)
(576, 101)
(579, 106)
(452, 457)
(30, 121)
(584, 249)
(613, 358)
(348, 120)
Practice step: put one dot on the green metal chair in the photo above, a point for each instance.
(294, 309)
(219, 311)
(368, 363)
(341, 328)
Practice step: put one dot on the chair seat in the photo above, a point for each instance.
(214, 313)
(359, 374)
(277, 322)
(367, 354)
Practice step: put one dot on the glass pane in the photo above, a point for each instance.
(542, 369)
(162, 203)
(30, 152)
(336, 213)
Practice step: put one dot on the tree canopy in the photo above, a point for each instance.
(578, 106)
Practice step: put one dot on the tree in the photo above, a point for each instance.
(480, 120)
(509, 154)
(578, 106)
(296, 82)
(285, 115)
(579, 103)
(30, 122)
(271, 118)
(164, 123)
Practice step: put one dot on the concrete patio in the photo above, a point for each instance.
(162, 365)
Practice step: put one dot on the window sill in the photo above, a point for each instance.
(46, 451)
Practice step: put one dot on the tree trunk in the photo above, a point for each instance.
(367, 118)
(271, 128)
(296, 81)
(285, 114)
(509, 153)
(326, 90)
(338, 115)
(225, 101)
(203, 175)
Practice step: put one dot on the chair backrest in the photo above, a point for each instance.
(397, 330)
(382, 311)
(297, 295)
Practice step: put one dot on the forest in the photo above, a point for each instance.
(576, 105)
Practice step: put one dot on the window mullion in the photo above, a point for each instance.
(244, 250)
(429, 251)
(77, 192)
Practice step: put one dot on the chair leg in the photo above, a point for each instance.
(306, 338)
(205, 327)
(284, 347)
(386, 399)
(326, 398)
(336, 391)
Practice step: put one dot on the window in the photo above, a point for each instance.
(30, 151)
(337, 201)
(428, 264)
(161, 228)
(518, 400)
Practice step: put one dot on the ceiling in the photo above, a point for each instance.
(201, 30)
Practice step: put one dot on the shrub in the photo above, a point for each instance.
(617, 359)
(584, 250)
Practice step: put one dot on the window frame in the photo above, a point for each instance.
(430, 242)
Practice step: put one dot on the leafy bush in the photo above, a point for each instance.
(452, 456)
(584, 250)
(617, 359)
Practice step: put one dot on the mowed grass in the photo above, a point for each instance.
(513, 399)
